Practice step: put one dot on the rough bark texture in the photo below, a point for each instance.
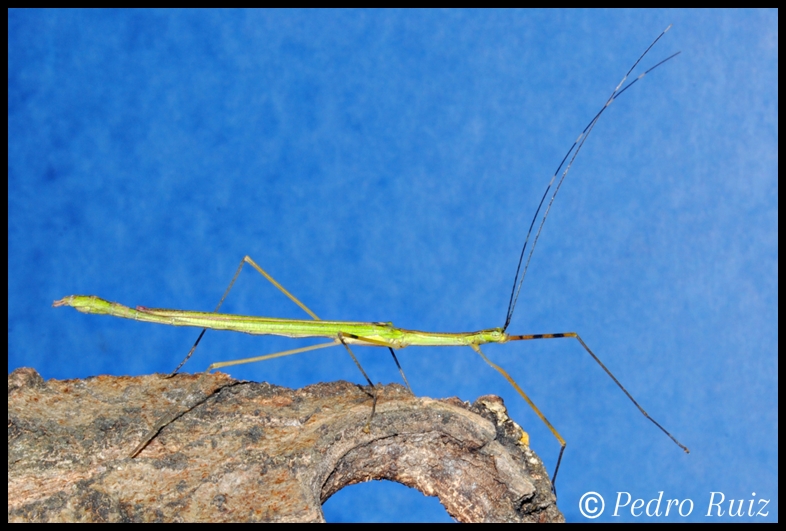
(246, 451)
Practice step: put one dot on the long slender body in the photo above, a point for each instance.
(358, 333)
(375, 334)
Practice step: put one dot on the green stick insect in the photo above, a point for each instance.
(374, 334)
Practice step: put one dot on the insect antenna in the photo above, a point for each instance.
(518, 280)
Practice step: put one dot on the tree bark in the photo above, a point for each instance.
(243, 451)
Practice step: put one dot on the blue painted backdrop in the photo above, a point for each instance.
(384, 165)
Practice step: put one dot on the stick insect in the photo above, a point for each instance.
(378, 334)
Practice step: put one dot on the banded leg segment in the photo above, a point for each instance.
(602, 366)
(542, 416)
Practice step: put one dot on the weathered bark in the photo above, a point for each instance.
(255, 452)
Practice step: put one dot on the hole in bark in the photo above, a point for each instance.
(383, 501)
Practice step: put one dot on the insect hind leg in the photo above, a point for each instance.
(246, 260)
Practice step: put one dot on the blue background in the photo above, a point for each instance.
(384, 165)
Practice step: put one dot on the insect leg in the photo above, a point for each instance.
(602, 366)
(512, 382)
